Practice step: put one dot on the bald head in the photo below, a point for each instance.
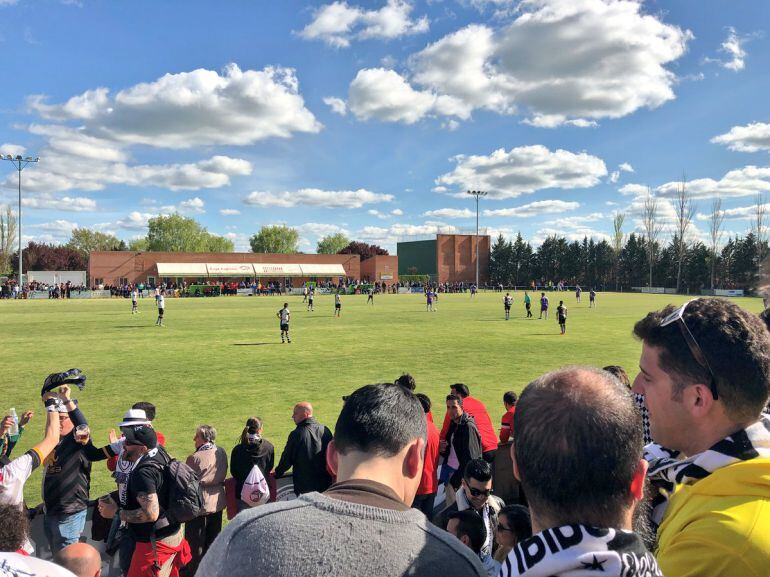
(578, 443)
(302, 411)
(81, 559)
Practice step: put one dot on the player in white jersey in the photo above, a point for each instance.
(161, 298)
(507, 302)
(337, 305)
(304, 294)
(370, 298)
(134, 297)
(284, 315)
(310, 296)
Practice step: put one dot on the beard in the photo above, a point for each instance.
(641, 523)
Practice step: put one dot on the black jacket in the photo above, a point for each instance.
(244, 456)
(465, 438)
(305, 454)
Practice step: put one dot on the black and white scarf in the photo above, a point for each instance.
(581, 551)
(206, 447)
(667, 469)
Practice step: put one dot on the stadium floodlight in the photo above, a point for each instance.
(477, 194)
(19, 163)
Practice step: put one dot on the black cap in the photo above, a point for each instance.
(140, 435)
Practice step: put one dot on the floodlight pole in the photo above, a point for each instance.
(20, 164)
(476, 194)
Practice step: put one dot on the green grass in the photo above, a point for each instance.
(220, 360)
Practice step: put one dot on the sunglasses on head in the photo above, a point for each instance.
(478, 492)
(678, 317)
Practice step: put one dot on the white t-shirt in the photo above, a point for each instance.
(14, 475)
(284, 316)
(134, 296)
(337, 299)
(14, 564)
(161, 302)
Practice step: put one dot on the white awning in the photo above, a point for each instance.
(324, 270)
(276, 270)
(185, 269)
(231, 269)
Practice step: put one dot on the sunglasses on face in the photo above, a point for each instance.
(678, 317)
(478, 492)
(501, 527)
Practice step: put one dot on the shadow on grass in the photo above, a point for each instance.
(133, 326)
(253, 344)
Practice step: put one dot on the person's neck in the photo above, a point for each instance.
(710, 433)
(542, 522)
(383, 471)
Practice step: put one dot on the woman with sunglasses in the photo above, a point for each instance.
(513, 525)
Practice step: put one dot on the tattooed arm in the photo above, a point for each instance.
(148, 511)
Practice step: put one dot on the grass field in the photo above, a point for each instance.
(220, 360)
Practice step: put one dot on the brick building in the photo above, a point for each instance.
(447, 258)
(380, 268)
(120, 267)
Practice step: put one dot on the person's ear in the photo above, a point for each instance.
(465, 540)
(515, 465)
(699, 400)
(414, 458)
(332, 459)
(637, 482)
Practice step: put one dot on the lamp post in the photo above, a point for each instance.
(20, 163)
(477, 194)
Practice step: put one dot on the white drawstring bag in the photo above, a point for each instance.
(255, 490)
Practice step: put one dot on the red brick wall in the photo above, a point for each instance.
(456, 258)
(111, 266)
(375, 267)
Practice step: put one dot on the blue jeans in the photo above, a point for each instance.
(64, 529)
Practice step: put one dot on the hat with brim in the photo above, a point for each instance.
(134, 417)
(140, 435)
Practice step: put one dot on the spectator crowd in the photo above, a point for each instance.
(665, 475)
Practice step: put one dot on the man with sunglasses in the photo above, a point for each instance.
(705, 375)
(475, 495)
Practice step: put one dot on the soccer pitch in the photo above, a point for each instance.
(220, 360)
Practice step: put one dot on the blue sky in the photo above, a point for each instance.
(373, 117)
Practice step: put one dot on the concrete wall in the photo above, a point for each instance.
(111, 266)
(456, 258)
(380, 268)
(420, 254)
(75, 277)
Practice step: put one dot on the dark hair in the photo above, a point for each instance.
(519, 520)
(424, 401)
(13, 528)
(765, 316)
(406, 380)
(619, 373)
(477, 469)
(253, 425)
(381, 418)
(470, 525)
(455, 398)
(577, 445)
(147, 407)
(510, 398)
(460, 389)
(735, 342)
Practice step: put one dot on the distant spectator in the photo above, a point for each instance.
(252, 450)
(80, 558)
(426, 492)
(506, 424)
(476, 409)
(476, 496)
(13, 528)
(622, 376)
(210, 462)
(305, 452)
(463, 442)
(705, 376)
(469, 529)
(513, 525)
(363, 524)
(406, 380)
(578, 455)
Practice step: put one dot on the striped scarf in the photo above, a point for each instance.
(667, 469)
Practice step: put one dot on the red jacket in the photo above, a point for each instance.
(478, 411)
(506, 425)
(429, 479)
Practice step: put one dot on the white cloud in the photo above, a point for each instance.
(625, 167)
(753, 137)
(319, 229)
(560, 61)
(229, 212)
(317, 197)
(191, 206)
(397, 212)
(737, 213)
(191, 109)
(746, 181)
(733, 48)
(338, 24)
(632, 189)
(57, 227)
(614, 177)
(450, 213)
(12, 149)
(135, 220)
(65, 203)
(535, 208)
(337, 105)
(523, 170)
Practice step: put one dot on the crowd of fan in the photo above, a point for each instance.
(594, 498)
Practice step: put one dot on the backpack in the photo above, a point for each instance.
(185, 496)
(255, 490)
